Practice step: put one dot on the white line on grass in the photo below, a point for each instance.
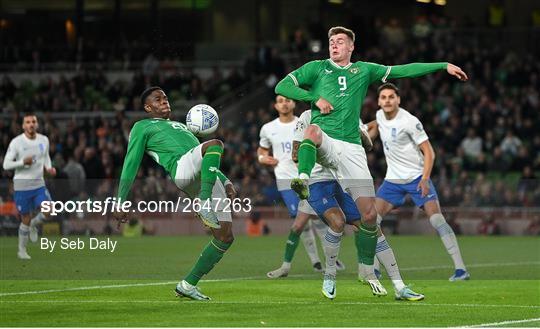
(440, 267)
(421, 304)
(113, 286)
(503, 323)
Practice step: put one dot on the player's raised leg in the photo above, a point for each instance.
(448, 238)
(307, 157)
(212, 151)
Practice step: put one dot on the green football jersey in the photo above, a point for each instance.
(164, 140)
(345, 88)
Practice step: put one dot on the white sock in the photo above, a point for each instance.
(38, 219)
(320, 228)
(448, 239)
(186, 285)
(331, 244)
(366, 271)
(24, 231)
(386, 256)
(379, 220)
(376, 263)
(308, 239)
(286, 266)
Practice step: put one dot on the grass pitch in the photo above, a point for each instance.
(133, 286)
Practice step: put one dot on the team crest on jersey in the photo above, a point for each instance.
(299, 126)
(354, 70)
(394, 134)
(41, 148)
(419, 126)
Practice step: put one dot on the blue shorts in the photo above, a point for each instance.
(329, 194)
(291, 201)
(395, 193)
(27, 201)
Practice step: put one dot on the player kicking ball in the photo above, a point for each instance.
(336, 89)
(193, 167)
(410, 158)
(28, 155)
(277, 136)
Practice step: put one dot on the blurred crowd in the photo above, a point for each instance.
(92, 91)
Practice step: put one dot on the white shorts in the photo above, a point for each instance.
(188, 179)
(348, 164)
(304, 207)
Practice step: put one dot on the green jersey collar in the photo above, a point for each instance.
(340, 67)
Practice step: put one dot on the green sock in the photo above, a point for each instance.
(209, 167)
(290, 248)
(210, 256)
(307, 156)
(366, 243)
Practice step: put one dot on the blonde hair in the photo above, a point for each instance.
(340, 29)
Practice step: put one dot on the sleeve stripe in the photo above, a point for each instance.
(386, 74)
(293, 78)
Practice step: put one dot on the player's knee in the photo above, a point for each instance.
(226, 238)
(313, 133)
(216, 142)
(437, 220)
(297, 228)
(370, 217)
(337, 225)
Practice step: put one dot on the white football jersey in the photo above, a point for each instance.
(278, 136)
(319, 173)
(28, 177)
(400, 138)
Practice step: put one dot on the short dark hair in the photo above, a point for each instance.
(387, 85)
(340, 29)
(147, 93)
(29, 114)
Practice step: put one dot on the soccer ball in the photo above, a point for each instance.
(202, 120)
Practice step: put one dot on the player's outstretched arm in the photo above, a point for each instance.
(429, 159)
(414, 70)
(132, 161)
(457, 72)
